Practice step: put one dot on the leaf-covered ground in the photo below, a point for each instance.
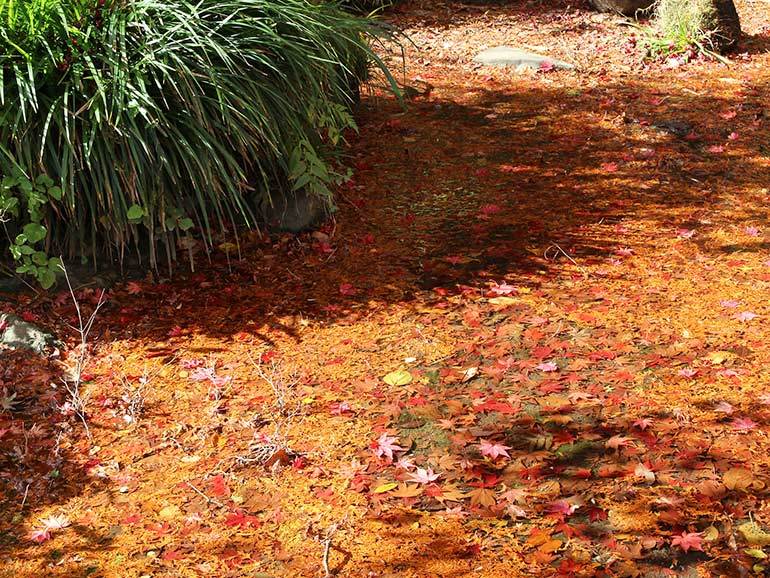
(534, 342)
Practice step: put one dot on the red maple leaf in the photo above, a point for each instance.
(159, 529)
(172, 555)
(688, 541)
(219, 486)
(239, 519)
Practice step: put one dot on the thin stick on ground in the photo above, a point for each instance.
(84, 327)
(557, 250)
(327, 538)
(209, 499)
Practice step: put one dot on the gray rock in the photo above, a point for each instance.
(18, 334)
(509, 57)
(295, 212)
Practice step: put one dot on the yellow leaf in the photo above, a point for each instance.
(169, 513)
(719, 357)
(407, 491)
(710, 534)
(400, 377)
(503, 300)
(551, 546)
(382, 488)
(754, 534)
(754, 553)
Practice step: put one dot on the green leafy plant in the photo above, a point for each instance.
(20, 195)
(132, 122)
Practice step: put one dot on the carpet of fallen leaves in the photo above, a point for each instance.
(534, 341)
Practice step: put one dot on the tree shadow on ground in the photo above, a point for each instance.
(497, 186)
(39, 465)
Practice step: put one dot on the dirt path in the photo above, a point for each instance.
(568, 274)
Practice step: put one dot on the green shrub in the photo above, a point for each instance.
(129, 122)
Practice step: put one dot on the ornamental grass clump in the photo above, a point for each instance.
(688, 28)
(128, 123)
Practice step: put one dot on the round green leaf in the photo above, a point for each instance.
(40, 258)
(185, 224)
(34, 232)
(46, 278)
(135, 213)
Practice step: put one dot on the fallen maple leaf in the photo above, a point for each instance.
(55, 522)
(219, 486)
(405, 463)
(515, 511)
(341, 408)
(407, 491)
(642, 423)
(240, 519)
(493, 450)
(644, 472)
(617, 442)
(746, 316)
(743, 424)
(724, 407)
(482, 497)
(514, 495)
(386, 445)
(547, 367)
(562, 507)
(39, 536)
(688, 541)
(423, 476)
(502, 289)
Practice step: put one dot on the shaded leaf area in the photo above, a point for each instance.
(533, 342)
